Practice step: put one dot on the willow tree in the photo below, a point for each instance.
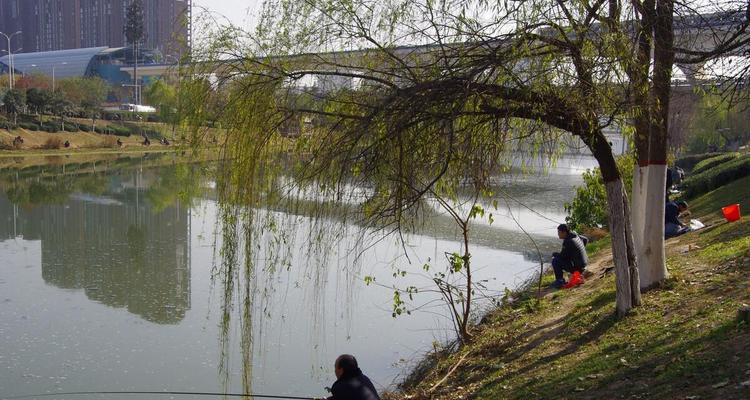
(410, 120)
(409, 92)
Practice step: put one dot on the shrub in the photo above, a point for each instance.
(717, 176)
(111, 116)
(29, 126)
(52, 143)
(120, 130)
(85, 128)
(52, 127)
(688, 162)
(7, 125)
(588, 208)
(709, 163)
(69, 127)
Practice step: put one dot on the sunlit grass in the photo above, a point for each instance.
(683, 341)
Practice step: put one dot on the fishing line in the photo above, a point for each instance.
(265, 396)
(522, 204)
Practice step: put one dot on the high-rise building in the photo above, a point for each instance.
(70, 24)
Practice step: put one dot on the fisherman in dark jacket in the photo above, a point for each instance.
(672, 224)
(351, 384)
(572, 257)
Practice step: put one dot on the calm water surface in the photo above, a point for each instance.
(106, 283)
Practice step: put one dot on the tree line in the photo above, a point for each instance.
(79, 97)
(72, 96)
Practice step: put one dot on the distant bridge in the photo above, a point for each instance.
(696, 33)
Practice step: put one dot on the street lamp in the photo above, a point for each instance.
(10, 57)
(53, 74)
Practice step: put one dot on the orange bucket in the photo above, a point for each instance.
(731, 212)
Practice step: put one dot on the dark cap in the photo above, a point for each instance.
(563, 228)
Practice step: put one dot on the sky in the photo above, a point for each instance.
(239, 12)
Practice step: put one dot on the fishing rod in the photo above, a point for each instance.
(251, 395)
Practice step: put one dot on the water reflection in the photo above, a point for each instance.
(107, 234)
(107, 284)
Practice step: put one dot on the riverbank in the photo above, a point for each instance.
(686, 341)
(36, 142)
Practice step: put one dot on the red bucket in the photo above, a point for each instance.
(575, 280)
(731, 212)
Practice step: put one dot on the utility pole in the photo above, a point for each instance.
(53, 75)
(134, 30)
(11, 75)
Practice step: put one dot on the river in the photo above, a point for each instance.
(107, 282)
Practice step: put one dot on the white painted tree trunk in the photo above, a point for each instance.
(638, 215)
(635, 282)
(653, 268)
(617, 222)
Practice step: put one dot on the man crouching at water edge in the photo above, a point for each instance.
(351, 383)
(571, 258)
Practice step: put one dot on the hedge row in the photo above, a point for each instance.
(717, 176)
(688, 162)
(709, 163)
(113, 130)
(49, 126)
(56, 126)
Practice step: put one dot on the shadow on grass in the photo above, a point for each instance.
(697, 364)
(650, 357)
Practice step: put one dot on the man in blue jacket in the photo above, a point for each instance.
(572, 257)
(351, 383)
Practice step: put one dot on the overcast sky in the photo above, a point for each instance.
(239, 12)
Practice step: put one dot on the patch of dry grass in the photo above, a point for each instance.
(52, 143)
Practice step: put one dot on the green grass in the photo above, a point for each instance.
(710, 204)
(596, 247)
(681, 342)
(726, 241)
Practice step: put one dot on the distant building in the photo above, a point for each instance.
(111, 64)
(49, 25)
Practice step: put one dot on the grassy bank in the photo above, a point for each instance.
(37, 142)
(684, 342)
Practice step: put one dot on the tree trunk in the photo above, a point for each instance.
(623, 253)
(635, 290)
(638, 216)
(617, 222)
(655, 269)
(653, 245)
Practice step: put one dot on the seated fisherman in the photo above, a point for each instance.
(672, 224)
(351, 383)
(572, 257)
